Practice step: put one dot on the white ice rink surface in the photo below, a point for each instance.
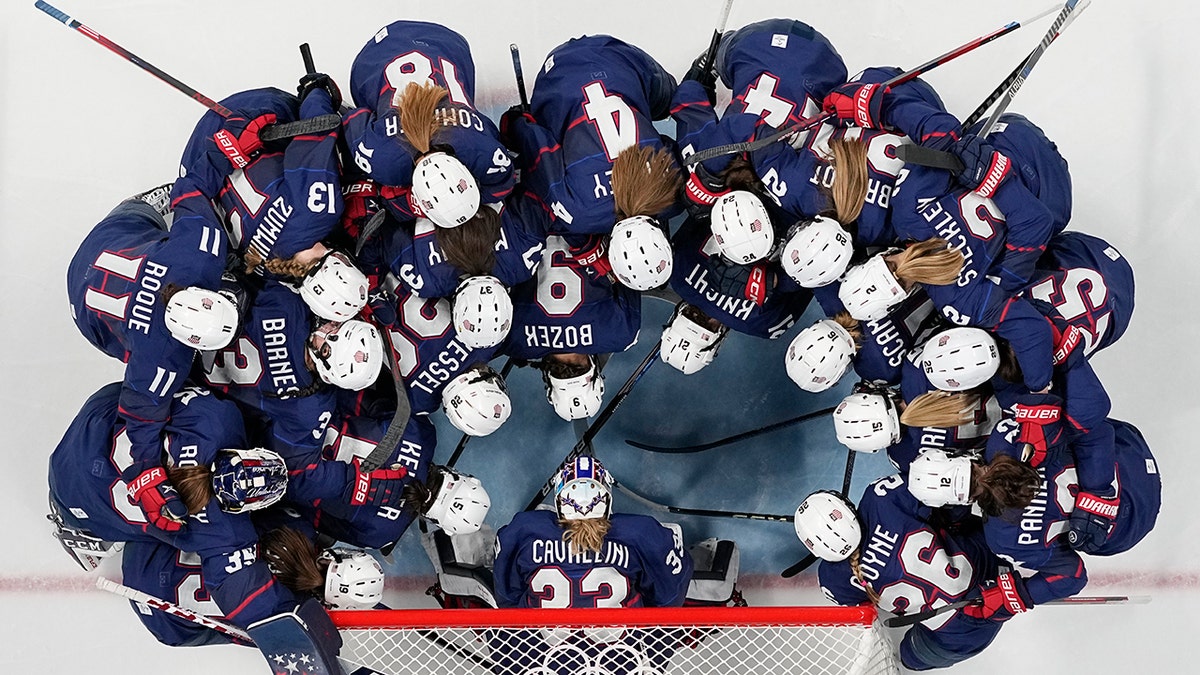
(80, 129)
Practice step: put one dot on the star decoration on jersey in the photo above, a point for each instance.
(294, 664)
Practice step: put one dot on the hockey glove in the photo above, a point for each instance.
(321, 81)
(705, 74)
(1092, 520)
(984, 169)
(1001, 599)
(378, 488)
(362, 202)
(702, 188)
(1040, 417)
(239, 139)
(508, 123)
(158, 500)
(856, 104)
(592, 256)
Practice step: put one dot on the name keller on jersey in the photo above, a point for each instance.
(559, 552)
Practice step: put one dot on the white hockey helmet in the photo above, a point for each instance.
(870, 290)
(817, 252)
(335, 289)
(445, 190)
(460, 504)
(820, 355)
(866, 422)
(742, 227)
(960, 358)
(640, 254)
(577, 397)
(482, 312)
(348, 354)
(937, 479)
(828, 525)
(476, 401)
(686, 345)
(583, 490)
(353, 580)
(248, 479)
(202, 319)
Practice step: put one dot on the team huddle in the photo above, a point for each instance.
(292, 310)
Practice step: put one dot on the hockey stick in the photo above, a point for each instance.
(918, 617)
(605, 414)
(707, 513)
(271, 133)
(916, 154)
(710, 56)
(810, 122)
(807, 561)
(227, 629)
(391, 438)
(520, 75)
(466, 438)
(731, 439)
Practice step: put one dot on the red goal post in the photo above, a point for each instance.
(616, 641)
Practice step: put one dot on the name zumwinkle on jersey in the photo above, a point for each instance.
(559, 552)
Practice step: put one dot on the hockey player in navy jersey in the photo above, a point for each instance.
(145, 296)
(445, 159)
(561, 558)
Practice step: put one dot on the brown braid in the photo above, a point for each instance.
(856, 569)
(1006, 483)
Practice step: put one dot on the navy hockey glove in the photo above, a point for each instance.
(321, 81)
(1041, 420)
(856, 104)
(1092, 520)
(239, 139)
(705, 74)
(1001, 599)
(158, 500)
(378, 488)
(984, 169)
(508, 123)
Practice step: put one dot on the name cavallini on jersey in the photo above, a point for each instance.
(559, 552)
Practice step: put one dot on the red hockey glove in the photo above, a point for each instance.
(361, 200)
(856, 104)
(377, 488)
(592, 255)
(1040, 417)
(756, 285)
(158, 500)
(1001, 600)
(1066, 340)
(239, 139)
(1092, 520)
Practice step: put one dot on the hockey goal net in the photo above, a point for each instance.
(642, 641)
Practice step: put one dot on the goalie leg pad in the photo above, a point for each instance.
(303, 638)
(463, 563)
(717, 563)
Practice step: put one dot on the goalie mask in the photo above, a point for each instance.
(937, 479)
(576, 397)
(866, 422)
(460, 504)
(202, 319)
(828, 525)
(583, 490)
(688, 346)
(742, 228)
(639, 253)
(444, 190)
(820, 355)
(248, 480)
(959, 359)
(869, 291)
(476, 402)
(816, 252)
(335, 289)
(482, 312)
(353, 580)
(347, 355)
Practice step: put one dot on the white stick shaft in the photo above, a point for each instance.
(172, 609)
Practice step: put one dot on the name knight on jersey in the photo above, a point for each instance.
(741, 308)
(559, 337)
(559, 552)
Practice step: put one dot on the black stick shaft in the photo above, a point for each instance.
(306, 54)
(775, 426)
(519, 72)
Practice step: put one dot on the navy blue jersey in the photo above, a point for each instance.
(265, 370)
(887, 341)
(169, 574)
(696, 274)
(593, 97)
(406, 52)
(1040, 167)
(96, 500)
(115, 283)
(1090, 286)
(287, 198)
(640, 564)
(910, 562)
(425, 348)
(566, 309)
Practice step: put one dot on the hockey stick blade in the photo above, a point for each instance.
(909, 619)
(313, 125)
(936, 159)
(801, 565)
(729, 439)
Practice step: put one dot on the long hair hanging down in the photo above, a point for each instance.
(645, 181)
(585, 535)
(471, 247)
(929, 262)
(417, 107)
(850, 178)
(940, 409)
(293, 560)
(1006, 483)
(194, 484)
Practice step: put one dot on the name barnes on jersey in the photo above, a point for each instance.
(279, 363)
